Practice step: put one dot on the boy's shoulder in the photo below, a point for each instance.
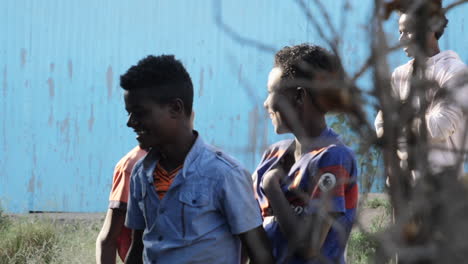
(215, 159)
(339, 149)
(282, 144)
(277, 148)
(337, 155)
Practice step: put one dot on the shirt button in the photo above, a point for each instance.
(194, 201)
(162, 211)
(160, 238)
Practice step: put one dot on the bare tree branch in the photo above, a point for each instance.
(328, 21)
(318, 28)
(453, 5)
(369, 63)
(217, 7)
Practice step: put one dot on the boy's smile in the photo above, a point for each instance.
(275, 103)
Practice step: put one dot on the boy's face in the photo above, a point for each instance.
(277, 104)
(406, 27)
(151, 121)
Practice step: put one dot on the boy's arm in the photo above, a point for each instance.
(135, 219)
(443, 118)
(106, 243)
(135, 253)
(257, 246)
(242, 212)
(305, 234)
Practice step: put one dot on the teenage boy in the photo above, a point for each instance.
(114, 237)
(306, 186)
(189, 202)
(445, 120)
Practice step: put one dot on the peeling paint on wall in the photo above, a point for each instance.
(5, 83)
(31, 182)
(50, 83)
(109, 81)
(70, 69)
(91, 119)
(23, 57)
(253, 132)
(50, 121)
(201, 84)
(64, 126)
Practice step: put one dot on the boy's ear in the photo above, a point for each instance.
(176, 108)
(299, 96)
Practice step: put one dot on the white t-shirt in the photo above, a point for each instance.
(445, 120)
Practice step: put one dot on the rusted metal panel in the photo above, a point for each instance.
(63, 121)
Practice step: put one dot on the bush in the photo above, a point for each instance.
(361, 247)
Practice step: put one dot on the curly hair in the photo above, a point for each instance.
(165, 78)
(437, 19)
(305, 61)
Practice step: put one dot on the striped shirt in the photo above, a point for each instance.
(328, 174)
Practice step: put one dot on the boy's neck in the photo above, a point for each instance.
(308, 140)
(173, 155)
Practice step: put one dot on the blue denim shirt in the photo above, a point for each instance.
(210, 201)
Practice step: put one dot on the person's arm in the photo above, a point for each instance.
(106, 243)
(443, 117)
(134, 219)
(135, 253)
(257, 246)
(305, 234)
(238, 205)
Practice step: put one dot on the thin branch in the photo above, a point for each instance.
(369, 63)
(344, 17)
(317, 26)
(236, 36)
(452, 5)
(325, 14)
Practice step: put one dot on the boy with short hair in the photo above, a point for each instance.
(189, 202)
(306, 186)
(114, 237)
(445, 119)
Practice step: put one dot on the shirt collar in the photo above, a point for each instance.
(151, 160)
(194, 153)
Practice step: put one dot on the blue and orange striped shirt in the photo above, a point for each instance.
(327, 174)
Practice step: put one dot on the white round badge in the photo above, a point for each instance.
(327, 181)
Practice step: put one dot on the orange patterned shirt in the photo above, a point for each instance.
(163, 179)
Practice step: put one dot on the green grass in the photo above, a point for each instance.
(34, 240)
(28, 242)
(29, 239)
(379, 202)
(362, 245)
(4, 221)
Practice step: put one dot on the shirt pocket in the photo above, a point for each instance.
(195, 212)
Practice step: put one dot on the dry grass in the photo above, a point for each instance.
(40, 240)
(29, 239)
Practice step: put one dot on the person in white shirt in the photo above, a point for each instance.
(445, 118)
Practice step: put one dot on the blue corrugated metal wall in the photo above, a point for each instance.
(63, 121)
